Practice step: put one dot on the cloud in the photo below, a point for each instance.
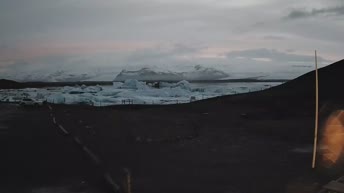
(302, 66)
(164, 55)
(272, 55)
(330, 11)
(82, 35)
(275, 37)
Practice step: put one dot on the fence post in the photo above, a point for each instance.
(128, 180)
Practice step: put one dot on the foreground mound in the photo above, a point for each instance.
(9, 84)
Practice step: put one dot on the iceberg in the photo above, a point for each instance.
(133, 84)
(137, 91)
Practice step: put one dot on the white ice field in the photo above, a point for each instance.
(136, 92)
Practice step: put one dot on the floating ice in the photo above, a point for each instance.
(183, 85)
(137, 91)
(133, 84)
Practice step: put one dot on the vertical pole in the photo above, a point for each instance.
(128, 180)
(316, 110)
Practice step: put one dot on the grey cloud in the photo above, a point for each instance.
(163, 51)
(289, 50)
(275, 37)
(297, 14)
(29, 24)
(273, 55)
(302, 66)
(165, 56)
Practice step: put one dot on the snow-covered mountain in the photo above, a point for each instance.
(58, 76)
(202, 73)
(147, 74)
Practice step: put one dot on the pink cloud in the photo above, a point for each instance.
(42, 49)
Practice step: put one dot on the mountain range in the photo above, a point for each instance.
(148, 74)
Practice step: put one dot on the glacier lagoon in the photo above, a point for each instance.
(133, 91)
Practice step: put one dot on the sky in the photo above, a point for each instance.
(105, 36)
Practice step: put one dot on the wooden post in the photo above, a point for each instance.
(316, 111)
(128, 180)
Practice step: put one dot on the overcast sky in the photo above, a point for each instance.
(109, 35)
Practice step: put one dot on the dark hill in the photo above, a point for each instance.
(10, 84)
(330, 79)
(285, 111)
(300, 91)
(292, 100)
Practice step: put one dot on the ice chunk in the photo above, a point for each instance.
(165, 84)
(134, 84)
(183, 85)
(93, 89)
(117, 84)
(56, 98)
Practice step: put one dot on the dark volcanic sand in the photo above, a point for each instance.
(243, 143)
(167, 149)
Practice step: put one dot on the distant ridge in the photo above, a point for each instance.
(10, 84)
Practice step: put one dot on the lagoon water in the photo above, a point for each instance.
(134, 91)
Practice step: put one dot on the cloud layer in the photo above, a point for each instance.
(45, 36)
(329, 11)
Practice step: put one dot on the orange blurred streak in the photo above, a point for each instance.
(333, 137)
